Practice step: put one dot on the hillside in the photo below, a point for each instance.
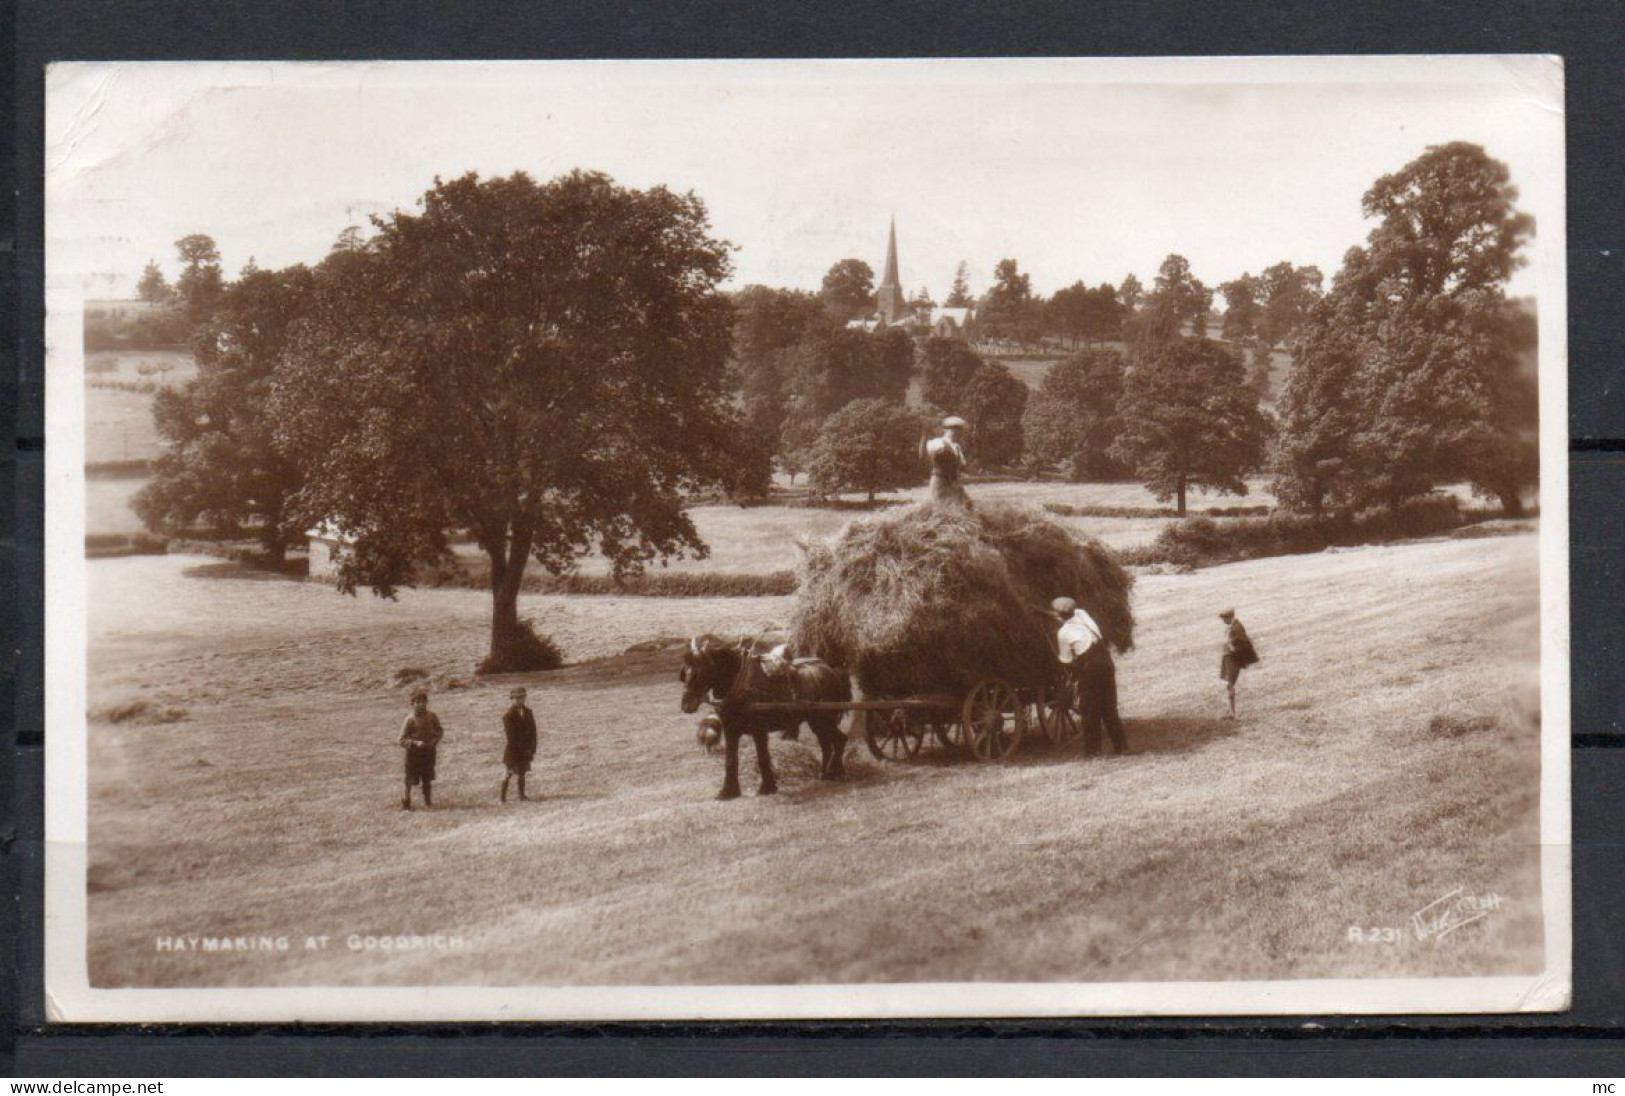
(1387, 754)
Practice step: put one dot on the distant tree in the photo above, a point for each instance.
(959, 295)
(540, 365)
(836, 366)
(1261, 371)
(152, 287)
(1129, 294)
(221, 466)
(869, 445)
(1189, 419)
(849, 290)
(351, 239)
(1068, 312)
(1105, 314)
(1241, 308)
(768, 325)
(1312, 457)
(201, 282)
(993, 401)
(1009, 310)
(1080, 314)
(921, 301)
(829, 369)
(1178, 300)
(946, 367)
(769, 321)
(1071, 420)
(1410, 372)
(1286, 296)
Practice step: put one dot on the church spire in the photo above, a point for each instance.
(889, 294)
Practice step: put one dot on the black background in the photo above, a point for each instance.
(1587, 1041)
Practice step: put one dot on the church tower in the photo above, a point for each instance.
(889, 303)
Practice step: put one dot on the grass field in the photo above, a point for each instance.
(761, 539)
(1387, 754)
(118, 422)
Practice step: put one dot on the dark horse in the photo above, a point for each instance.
(732, 676)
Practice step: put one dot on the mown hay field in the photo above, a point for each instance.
(118, 421)
(1387, 754)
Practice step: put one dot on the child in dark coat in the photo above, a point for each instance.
(519, 727)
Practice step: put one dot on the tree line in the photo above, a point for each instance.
(553, 369)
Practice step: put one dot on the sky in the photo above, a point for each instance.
(1086, 170)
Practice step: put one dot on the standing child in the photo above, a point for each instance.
(420, 738)
(519, 726)
(1238, 655)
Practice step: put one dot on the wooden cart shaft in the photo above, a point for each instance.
(788, 707)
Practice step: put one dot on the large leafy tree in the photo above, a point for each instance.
(1241, 308)
(993, 400)
(1409, 373)
(542, 366)
(221, 467)
(849, 290)
(1071, 421)
(1287, 295)
(1189, 419)
(835, 366)
(770, 323)
(1085, 315)
(869, 445)
(1009, 309)
(1178, 300)
(831, 368)
(946, 367)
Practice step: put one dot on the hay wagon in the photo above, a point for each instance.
(990, 721)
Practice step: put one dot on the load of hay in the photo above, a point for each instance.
(932, 599)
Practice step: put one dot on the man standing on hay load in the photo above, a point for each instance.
(1084, 651)
(947, 456)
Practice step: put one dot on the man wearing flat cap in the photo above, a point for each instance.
(1083, 650)
(519, 727)
(1238, 654)
(946, 453)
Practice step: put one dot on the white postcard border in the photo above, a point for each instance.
(70, 997)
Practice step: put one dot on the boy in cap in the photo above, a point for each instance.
(420, 738)
(1238, 655)
(1082, 649)
(519, 727)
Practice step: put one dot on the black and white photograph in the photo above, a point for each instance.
(806, 539)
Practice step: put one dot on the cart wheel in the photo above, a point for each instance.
(894, 735)
(946, 732)
(994, 720)
(1055, 715)
(912, 731)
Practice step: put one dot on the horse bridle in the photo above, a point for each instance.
(737, 688)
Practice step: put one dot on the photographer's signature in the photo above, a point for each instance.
(1434, 921)
(1443, 916)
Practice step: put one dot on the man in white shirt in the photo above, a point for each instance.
(1083, 650)
(946, 456)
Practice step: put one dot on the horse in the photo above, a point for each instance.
(731, 675)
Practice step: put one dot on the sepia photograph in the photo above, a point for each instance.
(804, 539)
